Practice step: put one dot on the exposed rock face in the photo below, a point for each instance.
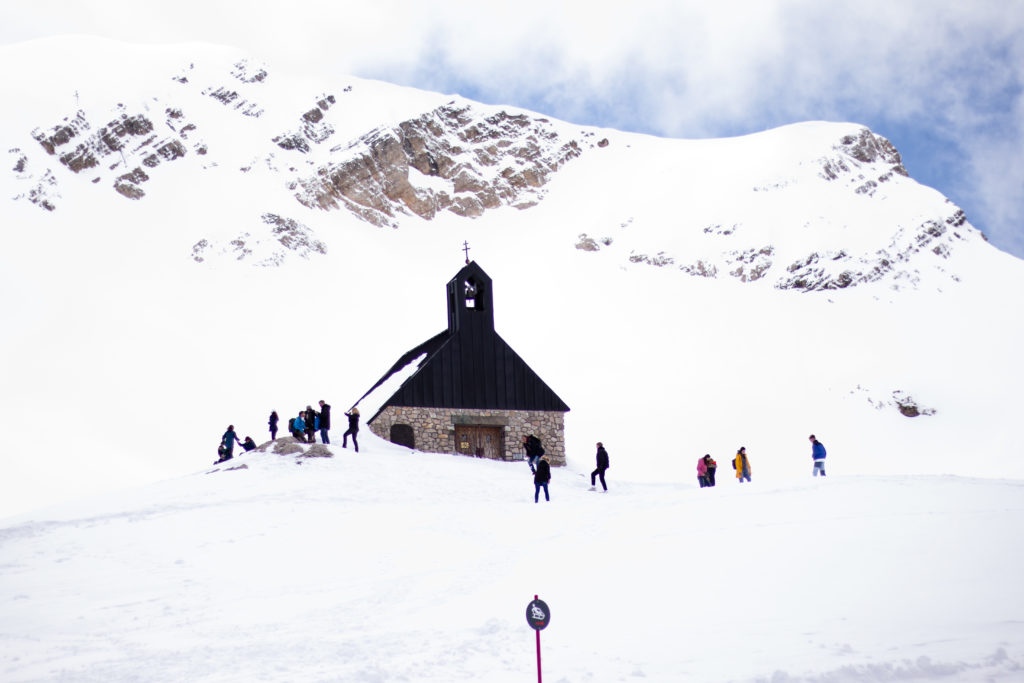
(313, 129)
(865, 148)
(861, 162)
(450, 159)
(840, 270)
(751, 264)
(114, 144)
(287, 236)
(467, 159)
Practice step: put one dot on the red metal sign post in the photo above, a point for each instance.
(538, 616)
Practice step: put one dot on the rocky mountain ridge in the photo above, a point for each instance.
(457, 157)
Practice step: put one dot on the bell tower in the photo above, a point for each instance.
(470, 300)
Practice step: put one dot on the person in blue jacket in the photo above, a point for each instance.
(818, 455)
(298, 426)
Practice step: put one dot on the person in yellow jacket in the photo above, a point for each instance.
(742, 465)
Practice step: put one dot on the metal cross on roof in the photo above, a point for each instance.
(465, 248)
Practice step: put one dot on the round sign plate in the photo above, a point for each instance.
(538, 615)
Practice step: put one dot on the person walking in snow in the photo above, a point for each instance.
(273, 424)
(711, 466)
(742, 465)
(602, 465)
(818, 455)
(325, 422)
(228, 441)
(541, 478)
(353, 429)
(534, 450)
(702, 472)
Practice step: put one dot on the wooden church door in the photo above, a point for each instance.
(480, 442)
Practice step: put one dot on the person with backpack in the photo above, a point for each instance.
(353, 429)
(325, 422)
(742, 465)
(228, 441)
(298, 426)
(818, 455)
(541, 478)
(534, 450)
(273, 424)
(602, 465)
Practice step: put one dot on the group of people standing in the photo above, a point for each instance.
(706, 466)
(305, 425)
(302, 427)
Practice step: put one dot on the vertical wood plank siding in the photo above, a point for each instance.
(471, 366)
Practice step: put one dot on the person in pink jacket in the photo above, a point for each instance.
(702, 473)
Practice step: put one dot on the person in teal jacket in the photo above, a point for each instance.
(228, 441)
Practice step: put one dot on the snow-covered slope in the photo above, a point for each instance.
(395, 566)
(193, 239)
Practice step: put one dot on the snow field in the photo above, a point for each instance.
(393, 565)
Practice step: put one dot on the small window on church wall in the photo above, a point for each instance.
(474, 294)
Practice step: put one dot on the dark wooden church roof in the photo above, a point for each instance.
(469, 365)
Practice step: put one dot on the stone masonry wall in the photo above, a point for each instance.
(434, 428)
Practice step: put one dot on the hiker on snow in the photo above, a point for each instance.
(534, 450)
(541, 478)
(311, 426)
(602, 465)
(325, 422)
(228, 441)
(818, 455)
(702, 472)
(353, 429)
(273, 424)
(742, 465)
(298, 426)
(710, 466)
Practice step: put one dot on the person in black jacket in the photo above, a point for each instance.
(325, 421)
(249, 444)
(712, 467)
(353, 429)
(541, 478)
(273, 424)
(534, 449)
(311, 419)
(602, 465)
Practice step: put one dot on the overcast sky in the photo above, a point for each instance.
(942, 79)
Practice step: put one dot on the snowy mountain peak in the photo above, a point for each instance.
(806, 207)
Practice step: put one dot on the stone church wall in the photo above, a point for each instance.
(434, 428)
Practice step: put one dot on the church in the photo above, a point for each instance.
(470, 393)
